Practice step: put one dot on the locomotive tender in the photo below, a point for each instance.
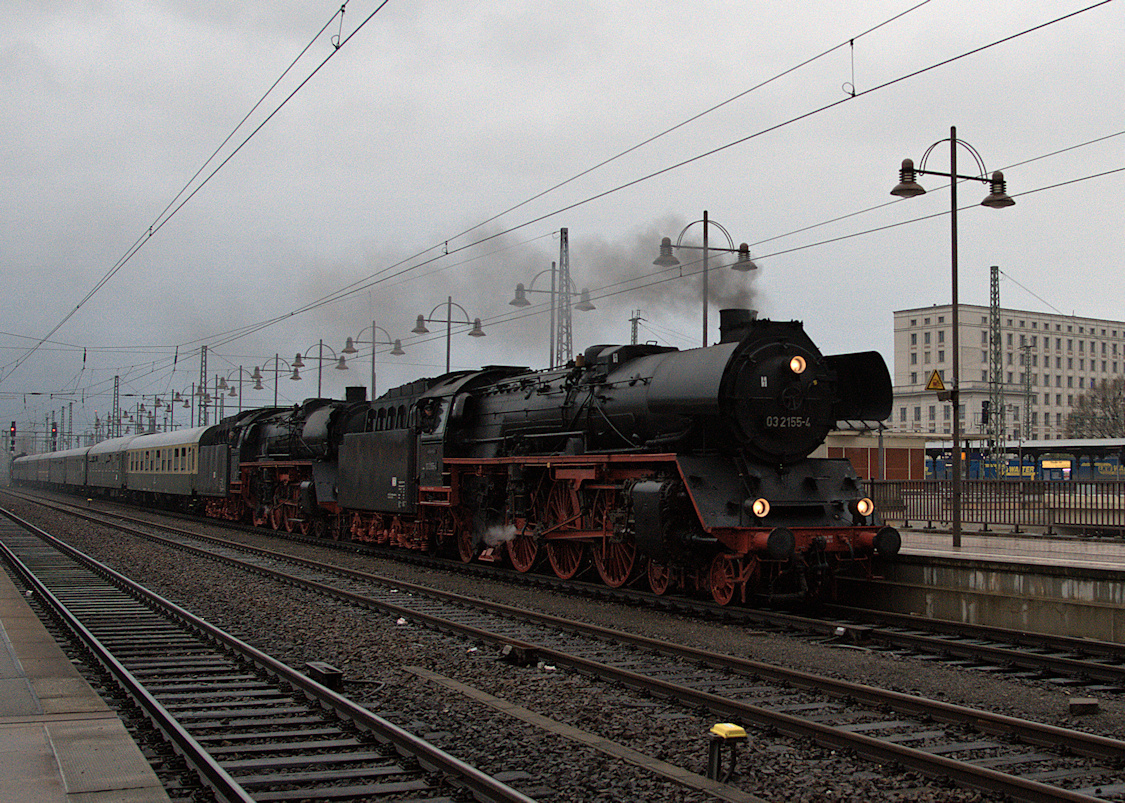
(685, 469)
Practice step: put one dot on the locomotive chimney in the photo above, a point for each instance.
(734, 323)
(355, 393)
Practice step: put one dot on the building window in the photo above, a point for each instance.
(914, 338)
(917, 413)
(913, 377)
(902, 414)
(941, 356)
(926, 337)
(933, 413)
(913, 358)
(941, 335)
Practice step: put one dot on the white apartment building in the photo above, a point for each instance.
(1067, 354)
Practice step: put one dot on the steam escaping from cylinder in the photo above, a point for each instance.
(500, 534)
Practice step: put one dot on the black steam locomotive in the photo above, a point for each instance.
(682, 469)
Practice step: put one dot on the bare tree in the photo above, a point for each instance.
(1099, 412)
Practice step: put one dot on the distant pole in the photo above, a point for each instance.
(448, 330)
(706, 289)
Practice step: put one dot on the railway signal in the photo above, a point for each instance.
(12, 438)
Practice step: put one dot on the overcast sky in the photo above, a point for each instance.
(435, 118)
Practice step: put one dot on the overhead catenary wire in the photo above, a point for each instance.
(170, 211)
(402, 266)
(371, 280)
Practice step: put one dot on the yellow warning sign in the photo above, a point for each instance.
(935, 382)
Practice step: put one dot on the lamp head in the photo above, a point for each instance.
(397, 350)
(584, 303)
(298, 363)
(744, 262)
(477, 331)
(420, 326)
(521, 297)
(907, 186)
(350, 348)
(342, 365)
(666, 259)
(998, 193)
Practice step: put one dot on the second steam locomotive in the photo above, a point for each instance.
(682, 469)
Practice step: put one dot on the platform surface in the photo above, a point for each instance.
(59, 742)
(1094, 553)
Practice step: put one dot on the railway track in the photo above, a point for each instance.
(251, 727)
(1094, 665)
(1022, 759)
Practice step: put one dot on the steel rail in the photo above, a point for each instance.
(1091, 745)
(1001, 653)
(483, 787)
(209, 770)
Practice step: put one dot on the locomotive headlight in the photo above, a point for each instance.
(797, 365)
(760, 508)
(863, 507)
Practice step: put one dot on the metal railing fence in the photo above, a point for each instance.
(1082, 506)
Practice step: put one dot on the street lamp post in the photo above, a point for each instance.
(395, 343)
(521, 300)
(277, 361)
(224, 385)
(298, 363)
(420, 325)
(667, 259)
(997, 199)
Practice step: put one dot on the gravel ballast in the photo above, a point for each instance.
(374, 649)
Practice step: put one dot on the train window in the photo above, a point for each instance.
(432, 416)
